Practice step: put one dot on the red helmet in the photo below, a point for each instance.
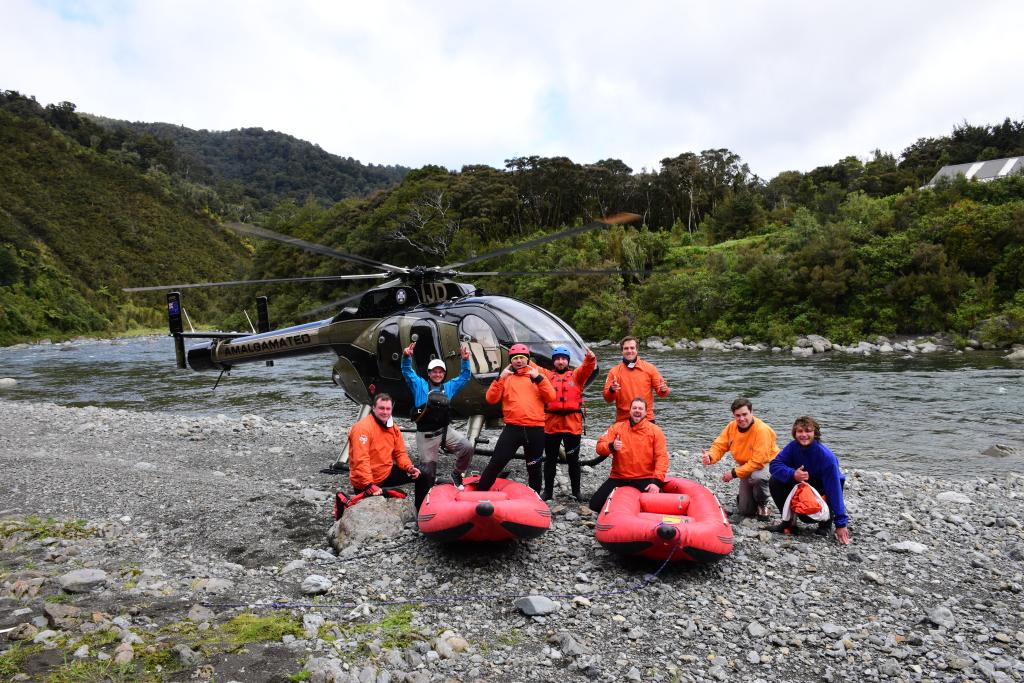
(518, 350)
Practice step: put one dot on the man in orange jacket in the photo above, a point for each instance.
(633, 378)
(638, 451)
(752, 444)
(563, 421)
(523, 392)
(377, 455)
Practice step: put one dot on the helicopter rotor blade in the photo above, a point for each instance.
(609, 271)
(617, 219)
(280, 280)
(255, 230)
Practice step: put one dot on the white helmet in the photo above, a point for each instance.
(437, 363)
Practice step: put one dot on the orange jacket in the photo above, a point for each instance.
(640, 381)
(573, 423)
(372, 450)
(522, 399)
(752, 449)
(643, 454)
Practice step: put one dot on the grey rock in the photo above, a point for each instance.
(325, 670)
(314, 584)
(373, 520)
(908, 547)
(186, 655)
(311, 624)
(200, 613)
(954, 497)
(756, 630)
(535, 605)
(61, 616)
(83, 580)
(941, 616)
(214, 585)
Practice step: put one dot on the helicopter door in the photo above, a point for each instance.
(484, 353)
(428, 346)
(389, 351)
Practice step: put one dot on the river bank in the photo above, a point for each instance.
(181, 511)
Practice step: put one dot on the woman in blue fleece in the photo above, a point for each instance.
(805, 458)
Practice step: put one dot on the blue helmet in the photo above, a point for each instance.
(560, 351)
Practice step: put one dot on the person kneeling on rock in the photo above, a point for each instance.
(639, 454)
(377, 455)
(806, 459)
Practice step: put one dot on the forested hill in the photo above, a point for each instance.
(85, 212)
(847, 250)
(267, 166)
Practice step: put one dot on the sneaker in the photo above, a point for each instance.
(824, 528)
(457, 478)
(782, 528)
(763, 513)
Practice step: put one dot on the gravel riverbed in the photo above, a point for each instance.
(192, 523)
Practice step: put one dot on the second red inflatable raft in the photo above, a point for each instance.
(684, 521)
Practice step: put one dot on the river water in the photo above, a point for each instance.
(931, 414)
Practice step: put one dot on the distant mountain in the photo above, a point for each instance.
(268, 166)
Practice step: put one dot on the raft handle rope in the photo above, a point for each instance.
(484, 597)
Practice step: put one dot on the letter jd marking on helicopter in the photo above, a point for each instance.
(263, 345)
(432, 292)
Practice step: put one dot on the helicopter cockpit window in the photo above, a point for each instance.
(529, 325)
(484, 354)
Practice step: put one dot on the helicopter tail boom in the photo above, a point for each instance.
(299, 340)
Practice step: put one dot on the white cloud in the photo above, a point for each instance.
(787, 85)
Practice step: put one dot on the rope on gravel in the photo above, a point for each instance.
(439, 600)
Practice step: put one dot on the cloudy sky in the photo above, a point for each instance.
(786, 85)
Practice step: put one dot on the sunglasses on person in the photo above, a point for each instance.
(519, 355)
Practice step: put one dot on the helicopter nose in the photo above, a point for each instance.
(485, 508)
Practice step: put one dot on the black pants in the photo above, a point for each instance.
(425, 482)
(552, 442)
(395, 478)
(601, 495)
(780, 491)
(511, 438)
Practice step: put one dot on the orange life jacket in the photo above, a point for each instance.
(568, 394)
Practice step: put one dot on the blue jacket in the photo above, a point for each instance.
(822, 465)
(421, 387)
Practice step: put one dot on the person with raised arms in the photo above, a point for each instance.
(431, 399)
(563, 420)
(523, 391)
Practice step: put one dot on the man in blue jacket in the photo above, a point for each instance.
(805, 458)
(432, 413)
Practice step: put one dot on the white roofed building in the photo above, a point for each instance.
(982, 171)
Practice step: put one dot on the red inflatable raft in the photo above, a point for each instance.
(685, 520)
(510, 510)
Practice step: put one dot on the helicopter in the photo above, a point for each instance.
(368, 334)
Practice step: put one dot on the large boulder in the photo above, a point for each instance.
(82, 580)
(372, 520)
